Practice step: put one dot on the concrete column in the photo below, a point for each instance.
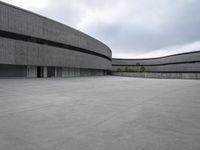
(31, 71)
(45, 72)
(56, 72)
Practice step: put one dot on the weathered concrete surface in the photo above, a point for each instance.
(99, 113)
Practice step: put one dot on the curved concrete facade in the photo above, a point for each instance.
(32, 45)
(178, 63)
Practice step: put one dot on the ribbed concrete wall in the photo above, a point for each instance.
(185, 62)
(26, 53)
(16, 22)
(21, 21)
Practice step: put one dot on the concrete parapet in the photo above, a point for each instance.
(159, 75)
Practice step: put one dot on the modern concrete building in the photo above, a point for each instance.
(179, 63)
(34, 46)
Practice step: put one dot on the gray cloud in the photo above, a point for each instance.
(181, 26)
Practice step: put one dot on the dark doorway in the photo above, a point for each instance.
(40, 72)
(50, 71)
(13, 71)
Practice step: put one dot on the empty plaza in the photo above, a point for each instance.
(99, 113)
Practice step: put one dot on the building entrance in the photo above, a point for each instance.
(40, 72)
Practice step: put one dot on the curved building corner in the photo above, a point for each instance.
(35, 46)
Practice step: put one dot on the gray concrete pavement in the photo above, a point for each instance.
(99, 113)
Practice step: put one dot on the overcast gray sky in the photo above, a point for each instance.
(131, 28)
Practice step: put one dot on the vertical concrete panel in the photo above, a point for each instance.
(31, 71)
(7, 51)
(59, 72)
(45, 72)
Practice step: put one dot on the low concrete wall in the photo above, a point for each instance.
(159, 75)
